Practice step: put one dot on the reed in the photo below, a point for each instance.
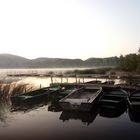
(14, 88)
(4, 110)
(18, 89)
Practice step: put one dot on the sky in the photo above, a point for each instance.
(69, 28)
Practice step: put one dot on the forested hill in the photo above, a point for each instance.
(13, 61)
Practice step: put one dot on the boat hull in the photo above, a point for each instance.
(78, 103)
(33, 96)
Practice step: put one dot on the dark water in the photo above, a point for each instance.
(46, 121)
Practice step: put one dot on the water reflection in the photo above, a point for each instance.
(4, 110)
(85, 117)
(134, 116)
(54, 104)
(52, 101)
(40, 120)
(29, 106)
(111, 112)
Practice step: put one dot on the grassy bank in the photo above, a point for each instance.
(90, 71)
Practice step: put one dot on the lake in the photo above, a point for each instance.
(45, 120)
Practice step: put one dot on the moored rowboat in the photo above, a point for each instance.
(35, 95)
(113, 97)
(81, 99)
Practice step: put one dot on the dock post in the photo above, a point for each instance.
(61, 79)
(79, 80)
(83, 79)
(40, 86)
(67, 79)
(76, 78)
(96, 78)
(51, 80)
(25, 90)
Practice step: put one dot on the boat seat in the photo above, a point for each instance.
(26, 96)
(76, 101)
(136, 103)
(109, 101)
(134, 97)
(114, 95)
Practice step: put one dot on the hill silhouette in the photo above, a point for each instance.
(14, 61)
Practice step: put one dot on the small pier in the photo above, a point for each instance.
(58, 75)
(79, 79)
(125, 87)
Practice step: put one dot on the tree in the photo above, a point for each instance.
(139, 51)
(130, 62)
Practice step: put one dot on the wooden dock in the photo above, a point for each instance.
(58, 75)
(79, 79)
(125, 87)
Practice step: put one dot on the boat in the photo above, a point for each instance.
(134, 100)
(113, 97)
(54, 105)
(81, 99)
(110, 82)
(66, 90)
(34, 95)
(93, 82)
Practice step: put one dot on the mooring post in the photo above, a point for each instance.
(40, 86)
(67, 79)
(25, 90)
(83, 79)
(51, 79)
(96, 78)
(109, 77)
(76, 78)
(79, 80)
(61, 79)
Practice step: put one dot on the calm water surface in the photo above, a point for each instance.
(46, 121)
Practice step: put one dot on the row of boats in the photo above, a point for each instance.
(83, 98)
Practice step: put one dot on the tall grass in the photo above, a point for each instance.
(14, 88)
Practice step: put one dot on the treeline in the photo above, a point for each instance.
(109, 61)
(130, 62)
